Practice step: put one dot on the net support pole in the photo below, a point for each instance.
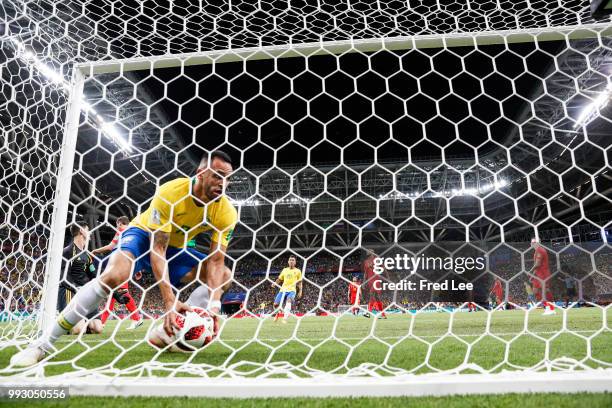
(61, 200)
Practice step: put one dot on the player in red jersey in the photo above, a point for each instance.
(498, 291)
(471, 305)
(541, 280)
(354, 295)
(122, 224)
(374, 284)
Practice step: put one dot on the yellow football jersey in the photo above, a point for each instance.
(174, 210)
(290, 279)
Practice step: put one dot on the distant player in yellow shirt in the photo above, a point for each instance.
(291, 279)
(530, 296)
(157, 241)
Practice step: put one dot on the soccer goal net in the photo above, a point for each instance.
(451, 159)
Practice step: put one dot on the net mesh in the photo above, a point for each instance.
(354, 125)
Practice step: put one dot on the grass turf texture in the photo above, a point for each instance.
(338, 344)
(469, 401)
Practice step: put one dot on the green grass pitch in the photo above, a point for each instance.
(517, 340)
(419, 343)
(582, 400)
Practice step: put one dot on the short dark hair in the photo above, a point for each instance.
(292, 256)
(216, 154)
(75, 228)
(123, 220)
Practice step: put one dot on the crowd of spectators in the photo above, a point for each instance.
(325, 289)
(326, 282)
(21, 280)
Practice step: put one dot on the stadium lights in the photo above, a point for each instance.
(245, 203)
(110, 130)
(256, 203)
(455, 192)
(48, 72)
(591, 110)
(107, 128)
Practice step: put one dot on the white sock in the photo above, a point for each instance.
(84, 302)
(199, 297)
(286, 309)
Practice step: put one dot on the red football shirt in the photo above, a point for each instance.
(370, 276)
(497, 289)
(542, 271)
(117, 235)
(353, 290)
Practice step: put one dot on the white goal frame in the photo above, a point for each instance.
(541, 379)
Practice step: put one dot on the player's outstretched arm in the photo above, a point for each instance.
(160, 271)
(278, 282)
(299, 289)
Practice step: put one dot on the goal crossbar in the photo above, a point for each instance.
(342, 46)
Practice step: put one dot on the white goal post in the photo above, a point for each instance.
(115, 130)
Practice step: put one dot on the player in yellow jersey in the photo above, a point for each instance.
(156, 241)
(291, 279)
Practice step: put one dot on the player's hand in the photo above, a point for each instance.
(214, 308)
(170, 324)
(215, 325)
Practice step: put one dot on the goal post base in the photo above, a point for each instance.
(410, 385)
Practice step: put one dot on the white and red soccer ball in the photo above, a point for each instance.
(196, 330)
